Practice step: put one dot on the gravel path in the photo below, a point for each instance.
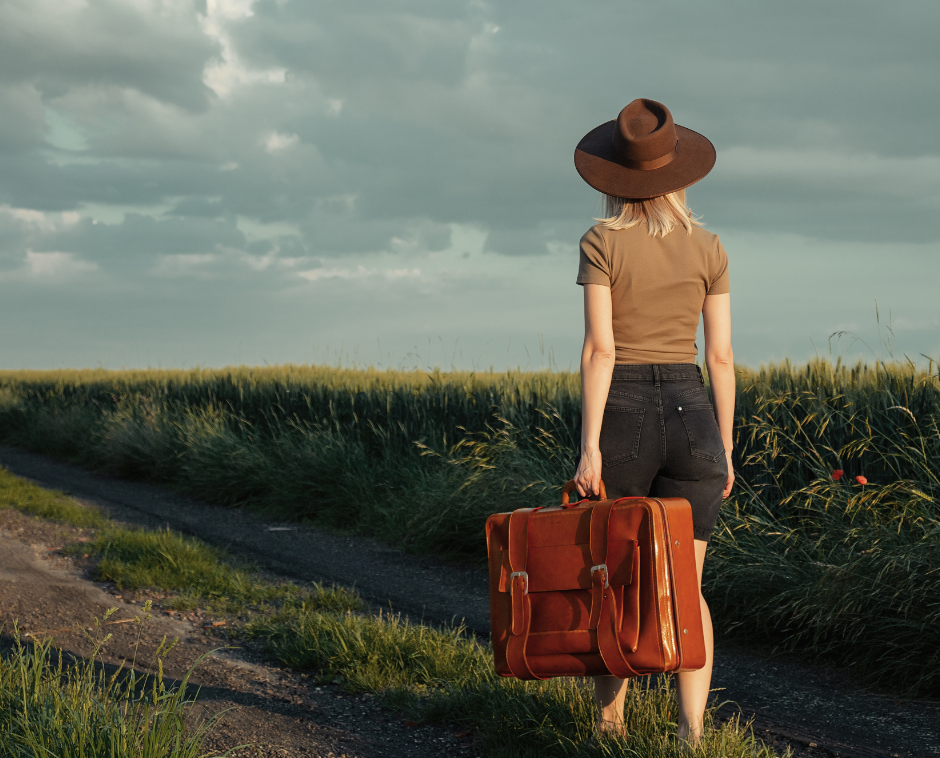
(816, 711)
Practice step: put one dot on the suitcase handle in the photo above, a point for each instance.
(572, 487)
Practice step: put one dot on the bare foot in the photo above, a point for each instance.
(607, 728)
(687, 739)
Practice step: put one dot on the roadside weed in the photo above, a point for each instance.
(18, 493)
(141, 558)
(50, 706)
(445, 675)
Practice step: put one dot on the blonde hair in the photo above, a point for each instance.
(662, 214)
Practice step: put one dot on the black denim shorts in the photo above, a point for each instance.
(660, 438)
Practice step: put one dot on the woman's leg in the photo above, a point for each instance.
(693, 686)
(631, 445)
(609, 694)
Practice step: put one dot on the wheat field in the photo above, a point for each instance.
(836, 566)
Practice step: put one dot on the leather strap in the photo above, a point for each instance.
(608, 641)
(604, 613)
(600, 516)
(600, 579)
(519, 538)
(519, 590)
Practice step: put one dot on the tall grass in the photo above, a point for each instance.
(74, 710)
(145, 422)
(835, 568)
(447, 676)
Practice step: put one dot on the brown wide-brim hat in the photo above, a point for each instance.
(642, 153)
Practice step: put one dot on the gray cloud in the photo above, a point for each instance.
(106, 43)
(488, 135)
(345, 44)
(340, 134)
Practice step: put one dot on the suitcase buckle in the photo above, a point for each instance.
(602, 567)
(525, 578)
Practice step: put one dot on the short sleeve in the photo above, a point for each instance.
(594, 266)
(719, 283)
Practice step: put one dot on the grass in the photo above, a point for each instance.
(843, 584)
(75, 710)
(201, 574)
(420, 459)
(432, 675)
(26, 497)
(140, 558)
(294, 439)
(445, 676)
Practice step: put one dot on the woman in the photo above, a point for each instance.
(648, 271)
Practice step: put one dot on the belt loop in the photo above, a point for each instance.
(656, 374)
(700, 377)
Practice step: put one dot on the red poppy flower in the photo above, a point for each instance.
(837, 474)
(861, 480)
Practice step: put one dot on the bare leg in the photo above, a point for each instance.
(609, 694)
(693, 686)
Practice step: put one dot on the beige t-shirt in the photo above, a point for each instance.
(657, 287)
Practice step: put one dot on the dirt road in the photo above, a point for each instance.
(817, 711)
(279, 712)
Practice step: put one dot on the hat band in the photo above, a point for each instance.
(655, 163)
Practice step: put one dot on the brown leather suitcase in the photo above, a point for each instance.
(594, 587)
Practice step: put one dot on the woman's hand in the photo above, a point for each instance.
(727, 490)
(588, 476)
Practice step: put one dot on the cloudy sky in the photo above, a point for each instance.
(209, 182)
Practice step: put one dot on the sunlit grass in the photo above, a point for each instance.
(53, 706)
(445, 675)
(199, 574)
(831, 568)
(24, 496)
(136, 558)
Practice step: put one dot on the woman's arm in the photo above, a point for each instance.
(597, 366)
(716, 315)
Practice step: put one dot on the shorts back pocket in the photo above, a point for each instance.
(702, 428)
(620, 434)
